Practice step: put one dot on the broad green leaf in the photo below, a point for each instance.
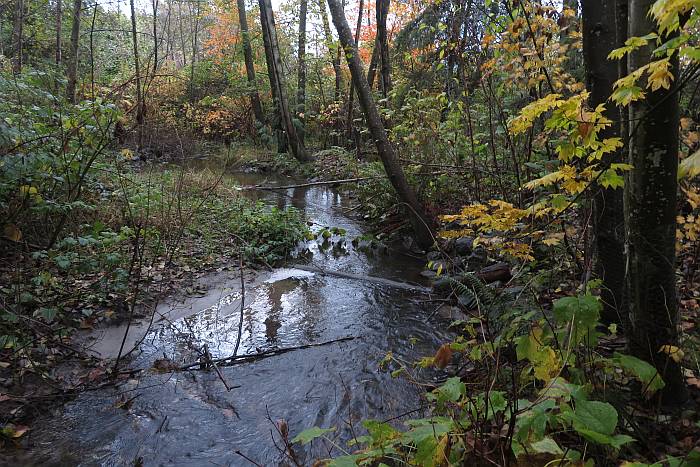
(452, 390)
(310, 434)
(594, 416)
(643, 371)
(346, 461)
(545, 446)
(379, 431)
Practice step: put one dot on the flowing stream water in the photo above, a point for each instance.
(189, 418)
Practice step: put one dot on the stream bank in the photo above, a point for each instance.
(189, 418)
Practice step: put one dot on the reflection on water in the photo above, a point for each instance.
(189, 418)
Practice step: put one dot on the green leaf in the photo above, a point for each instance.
(611, 179)
(346, 461)
(594, 416)
(545, 446)
(599, 438)
(379, 431)
(310, 434)
(625, 95)
(643, 371)
(452, 390)
(48, 313)
(583, 312)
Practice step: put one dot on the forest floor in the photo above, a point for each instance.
(188, 224)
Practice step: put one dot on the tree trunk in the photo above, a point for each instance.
(373, 62)
(419, 220)
(277, 122)
(18, 36)
(297, 146)
(72, 72)
(599, 39)
(651, 205)
(383, 43)
(351, 93)
(155, 36)
(249, 64)
(301, 72)
(332, 50)
(59, 27)
(137, 71)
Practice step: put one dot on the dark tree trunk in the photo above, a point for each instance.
(249, 64)
(651, 207)
(277, 121)
(301, 72)
(373, 62)
(332, 50)
(394, 171)
(59, 27)
(383, 42)
(155, 36)
(137, 71)
(599, 39)
(351, 93)
(18, 36)
(266, 15)
(72, 72)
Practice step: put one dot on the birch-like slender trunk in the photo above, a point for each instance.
(249, 64)
(267, 17)
(72, 71)
(301, 72)
(394, 171)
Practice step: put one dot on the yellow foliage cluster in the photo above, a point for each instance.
(495, 217)
(528, 55)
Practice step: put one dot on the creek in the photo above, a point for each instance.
(189, 418)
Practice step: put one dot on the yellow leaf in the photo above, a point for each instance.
(690, 166)
(659, 76)
(672, 351)
(440, 456)
(127, 154)
(12, 232)
(546, 364)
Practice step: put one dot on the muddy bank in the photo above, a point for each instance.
(190, 418)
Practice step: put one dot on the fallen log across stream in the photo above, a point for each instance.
(236, 359)
(361, 277)
(309, 184)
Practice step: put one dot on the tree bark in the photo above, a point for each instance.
(72, 71)
(154, 3)
(599, 39)
(266, 15)
(249, 64)
(351, 92)
(383, 42)
(18, 36)
(59, 27)
(301, 72)
(418, 219)
(137, 71)
(651, 205)
(276, 124)
(332, 50)
(373, 62)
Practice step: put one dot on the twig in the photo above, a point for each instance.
(240, 320)
(233, 360)
(247, 458)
